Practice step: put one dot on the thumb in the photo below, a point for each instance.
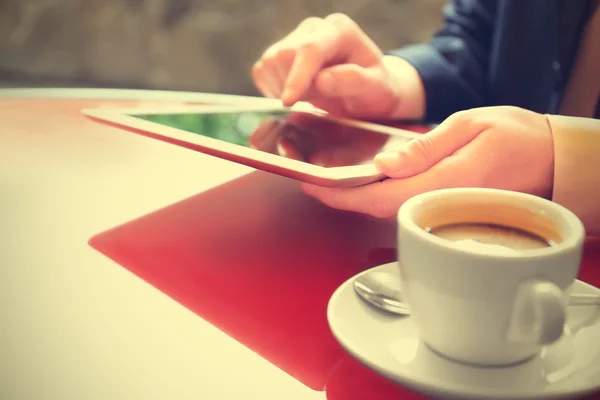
(422, 153)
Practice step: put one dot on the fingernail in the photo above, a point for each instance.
(287, 97)
(392, 161)
(327, 82)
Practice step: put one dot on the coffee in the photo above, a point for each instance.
(491, 234)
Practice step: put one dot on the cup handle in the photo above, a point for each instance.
(539, 314)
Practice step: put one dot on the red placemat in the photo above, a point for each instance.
(259, 259)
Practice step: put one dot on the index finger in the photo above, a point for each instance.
(311, 56)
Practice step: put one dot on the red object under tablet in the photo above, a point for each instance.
(258, 259)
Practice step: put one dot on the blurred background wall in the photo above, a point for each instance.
(198, 45)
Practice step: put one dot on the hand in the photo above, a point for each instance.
(494, 147)
(333, 64)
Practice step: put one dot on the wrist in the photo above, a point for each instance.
(408, 87)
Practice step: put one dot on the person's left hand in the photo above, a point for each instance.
(494, 147)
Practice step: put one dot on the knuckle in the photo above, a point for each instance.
(346, 28)
(463, 120)
(284, 53)
(423, 149)
(310, 46)
(460, 116)
(310, 22)
(339, 19)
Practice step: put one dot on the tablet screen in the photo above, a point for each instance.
(301, 136)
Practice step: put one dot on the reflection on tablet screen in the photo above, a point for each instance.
(298, 135)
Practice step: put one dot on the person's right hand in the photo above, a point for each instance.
(333, 64)
(500, 147)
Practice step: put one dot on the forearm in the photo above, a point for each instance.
(577, 168)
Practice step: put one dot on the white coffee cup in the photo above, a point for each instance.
(479, 303)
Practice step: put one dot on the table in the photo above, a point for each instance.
(74, 325)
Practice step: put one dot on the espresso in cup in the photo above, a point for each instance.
(484, 271)
(491, 234)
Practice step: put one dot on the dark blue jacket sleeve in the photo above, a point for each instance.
(454, 64)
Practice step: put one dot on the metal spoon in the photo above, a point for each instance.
(378, 288)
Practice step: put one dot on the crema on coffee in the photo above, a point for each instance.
(491, 234)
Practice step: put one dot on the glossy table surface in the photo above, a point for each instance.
(74, 324)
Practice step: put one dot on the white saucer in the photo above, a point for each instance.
(390, 346)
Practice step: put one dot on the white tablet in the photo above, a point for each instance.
(300, 143)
